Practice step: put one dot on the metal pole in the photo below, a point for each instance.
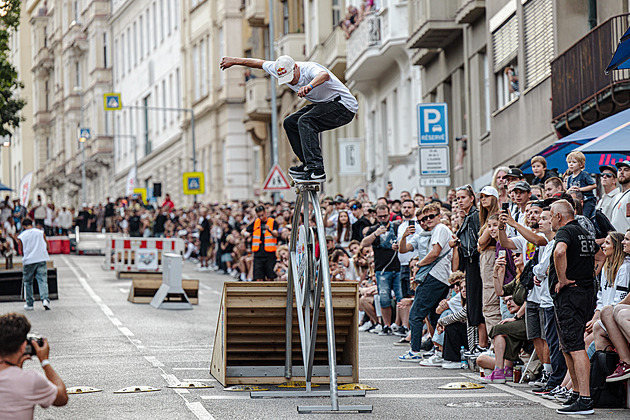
(135, 159)
(83, 192)
(274, 106)
(194, 147)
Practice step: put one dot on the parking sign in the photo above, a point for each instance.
(432, 124)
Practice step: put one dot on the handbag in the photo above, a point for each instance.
(605, 394)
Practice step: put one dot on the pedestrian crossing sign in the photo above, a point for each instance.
(194, 183)
(276, 180)
(112, 102)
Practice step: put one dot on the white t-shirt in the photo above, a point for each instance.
(528, 249)
(21, 390)
(540, 271)
(612, 295)
(325, 92)
(442, 235)
(404, 258)
(33, 246)
(606, 202)
(618, 212)
(455, 303)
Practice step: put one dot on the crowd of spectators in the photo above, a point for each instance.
(516, 268)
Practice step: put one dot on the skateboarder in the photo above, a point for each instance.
(332, 105)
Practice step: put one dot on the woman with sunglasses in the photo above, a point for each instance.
(468, 235)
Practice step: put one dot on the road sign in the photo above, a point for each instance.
(84, 134)
(435, 167)
(194, 183)
(432, 124)
(435, 182)
(112, 102)
(276, 180)
(142, 192)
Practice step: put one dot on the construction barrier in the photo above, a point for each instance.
(58, 245)
(126, 255)
(250, 339)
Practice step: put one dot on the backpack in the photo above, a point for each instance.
(605, 394)
(527, 276)
(602, 224)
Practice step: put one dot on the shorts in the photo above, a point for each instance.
(225, 258)
(203, 249)
(572, 313)
(515, 336)
(263, 267)
(534, 321)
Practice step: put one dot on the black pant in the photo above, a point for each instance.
(455, 337)
(474, 290)
(303, 127)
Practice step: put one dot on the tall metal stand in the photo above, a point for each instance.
(308, 275)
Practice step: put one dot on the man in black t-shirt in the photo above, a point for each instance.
(383, 238)
(361, 223)
(110, 212)
(160, 221)
(571, 278)
(204, 239)
(134, 225)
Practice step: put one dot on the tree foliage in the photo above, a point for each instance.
(10, 103)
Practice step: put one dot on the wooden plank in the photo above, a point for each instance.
(273, 380)
(218, 362)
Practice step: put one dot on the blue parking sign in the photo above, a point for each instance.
(432, 124)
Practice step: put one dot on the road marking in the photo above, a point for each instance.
(225, 397)
(204, 286)
(389, 367)
(191, 368)
(437, 378)
(509, 389)
(200, 380)
(196, 408)
(441, 395)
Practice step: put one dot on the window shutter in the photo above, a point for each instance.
(505, 43)
(538, 31)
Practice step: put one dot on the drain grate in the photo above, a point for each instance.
(490, 404)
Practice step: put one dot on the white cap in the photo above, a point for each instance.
(284, 68)
(488, 190)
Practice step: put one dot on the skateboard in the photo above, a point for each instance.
(303, 183)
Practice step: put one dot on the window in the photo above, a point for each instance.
(161, 20)
(178, 90)
(257, 179)
(285, 17)
(77, 71)
(105, 63)
(170, 95)
(46, 93)
(48, 148)
(75, 11)
(154, 25)
(484, 97)
(145, 116)
(148, 31)
(164, 102)
(221, 54)
(122, 55)
(336, 12)
(203, 48)
(196, 73)
(129, 49)
(135, 44)
(117, 61)
(538, 33)
(175, 13)
(505, 49)
(141, 28)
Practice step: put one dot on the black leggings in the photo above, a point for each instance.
(474, 290)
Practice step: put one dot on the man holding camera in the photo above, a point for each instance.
(21, 390)
(35, 251)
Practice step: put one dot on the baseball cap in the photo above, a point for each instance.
(611, 168)
(284, 68)
(514, 172)
(625, 163)
(522, 185)
(488, 190)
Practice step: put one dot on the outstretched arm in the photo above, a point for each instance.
(227, 62)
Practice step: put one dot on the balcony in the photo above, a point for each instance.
(257, 105)
(377, 43)
(333, 52)
(293, 45)
(432, 23)
(581, 92)
(75, 39)
(255, 12)
(470, 10)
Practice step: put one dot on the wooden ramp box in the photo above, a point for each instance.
(11, 285)
(144, 287)
(249, 343)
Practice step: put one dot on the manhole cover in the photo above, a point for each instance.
(489, 404)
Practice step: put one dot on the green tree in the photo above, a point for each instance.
(10, 103)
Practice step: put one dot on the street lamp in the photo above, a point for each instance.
(79, 91)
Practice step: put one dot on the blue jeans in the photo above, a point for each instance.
(40, 272)
(388, 281)
(558, 363)
(429, 293)
(404, 281)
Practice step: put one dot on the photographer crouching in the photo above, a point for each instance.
(21, 390)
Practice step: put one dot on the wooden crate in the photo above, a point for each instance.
(142, 290)
(250, 335)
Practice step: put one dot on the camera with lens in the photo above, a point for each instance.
(30, 349)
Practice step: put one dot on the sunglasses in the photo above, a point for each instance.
(428, 217)
(608, 175)
(383, 216)
(465, 187)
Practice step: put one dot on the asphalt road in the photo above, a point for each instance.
(99, 339)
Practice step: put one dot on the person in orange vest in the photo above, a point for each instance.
(264, 234)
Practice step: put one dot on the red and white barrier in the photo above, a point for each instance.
(139, 254)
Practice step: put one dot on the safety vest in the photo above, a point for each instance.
(271, 243)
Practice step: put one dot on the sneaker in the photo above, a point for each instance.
(573, 397)
(451, 365)
(563, 395)
(46, 304)
(578, 407)
(552, 395)
(509, 373)
(544, 378)
(402, 342)
(544, 390)
(297, 170)
(410, 356)
(496, 377)
(316, 174)
(430, 353)
(28, 308)
(376, 329)
(434, 361)
(475, 351)
(366, 326)
(394, 327)
(622, 372)
(402, 331)
(386, 331)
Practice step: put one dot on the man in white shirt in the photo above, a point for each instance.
(65, 220)
(35, 251)
(609, 183)
(332, 106)
(620, 208)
